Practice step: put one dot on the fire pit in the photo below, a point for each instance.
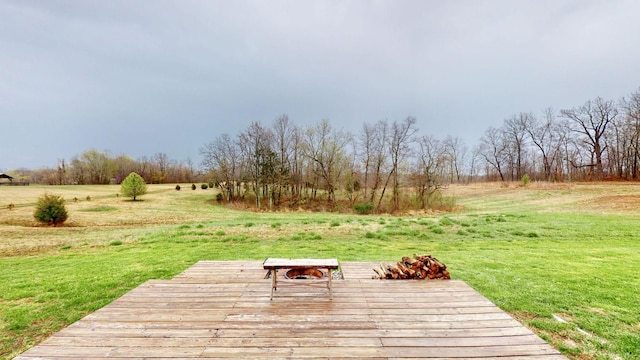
(304, 274)
(303, 269)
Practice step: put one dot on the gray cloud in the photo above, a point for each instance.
(141, 77)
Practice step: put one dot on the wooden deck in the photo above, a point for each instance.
(219, 309)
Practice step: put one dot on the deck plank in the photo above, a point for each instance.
(222, 309)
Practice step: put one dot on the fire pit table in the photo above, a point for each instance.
(301, 271)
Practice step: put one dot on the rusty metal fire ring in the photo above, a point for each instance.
(304, 274)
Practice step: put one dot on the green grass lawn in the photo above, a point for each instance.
(533, 252)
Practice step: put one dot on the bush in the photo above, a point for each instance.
(133, 186)
(178, 187)
(50, 210)
(204, 186)
(525, 180)
(219, 197)
(211, 184)
(193, 186)
(365, 208)
(446, 221)
(437, 230)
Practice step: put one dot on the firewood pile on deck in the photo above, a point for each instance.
(419, 267)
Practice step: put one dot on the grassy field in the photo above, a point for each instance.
(545, 250)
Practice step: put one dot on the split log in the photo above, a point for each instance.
(380, 274)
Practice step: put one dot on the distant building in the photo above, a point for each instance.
(4, 177)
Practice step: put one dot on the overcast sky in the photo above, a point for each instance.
(139, 77)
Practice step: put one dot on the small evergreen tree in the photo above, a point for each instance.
(50, 210)
(133, 186)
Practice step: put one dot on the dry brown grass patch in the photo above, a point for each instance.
(616, 202)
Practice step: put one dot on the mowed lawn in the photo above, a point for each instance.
(544, 250)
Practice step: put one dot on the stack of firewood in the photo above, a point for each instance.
(418, 267)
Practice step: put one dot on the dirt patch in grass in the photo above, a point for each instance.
(17, 222)
(523, 316)
(597, 311)
(623, 203)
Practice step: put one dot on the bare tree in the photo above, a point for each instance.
(161, 162)
(476, 159)
(143, 168)
(429, 169)
(515, 134)
(62, 172)
(545, 138)
(190, 170)
(374, 140)
(455, 151)
(366, 143)
(617, 142)
(222, 158)
(255, 144)
(592, 120)
(401, 137)
(631, 113)
(493, 150)
(297, 164)
(325, 147)
(352, 184)
(125, 166)
(284, 137)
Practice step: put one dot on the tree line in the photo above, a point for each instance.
(388, 165)
(597, 140)
(287, 164)
(391, 166)
(95, 167)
